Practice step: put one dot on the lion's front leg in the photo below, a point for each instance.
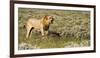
(42, 31)
(46, 32)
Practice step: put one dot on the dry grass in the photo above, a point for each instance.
(70, 29)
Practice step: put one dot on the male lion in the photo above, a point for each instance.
(41, 25)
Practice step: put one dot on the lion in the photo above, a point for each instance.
(41, 25)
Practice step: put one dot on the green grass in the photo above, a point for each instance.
(73, 27)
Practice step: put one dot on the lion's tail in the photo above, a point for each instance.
(24, 26)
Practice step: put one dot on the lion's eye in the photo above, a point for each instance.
(50, 18)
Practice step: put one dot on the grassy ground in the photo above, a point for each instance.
(72, 26)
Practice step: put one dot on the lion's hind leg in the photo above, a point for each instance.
(29, 29)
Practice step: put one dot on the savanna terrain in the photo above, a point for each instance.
(71, 28)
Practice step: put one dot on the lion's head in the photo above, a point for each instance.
(48, 19)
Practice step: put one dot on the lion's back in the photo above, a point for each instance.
(34, 23)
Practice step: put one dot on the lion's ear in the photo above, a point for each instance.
(45, 17)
